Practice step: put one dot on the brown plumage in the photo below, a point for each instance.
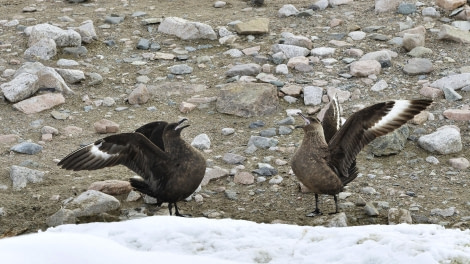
(326, 160)
(170, 168)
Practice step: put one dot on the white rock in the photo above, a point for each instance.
(322, 51)
(62, 38)
(21, 87)
(21, 176)
(185, 29)
(287, 10)
(357, 35)
(445, 140)
(312, 95)
(201, 141)
(44, 49)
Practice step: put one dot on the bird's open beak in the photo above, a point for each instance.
(180, 124)
(307, 121)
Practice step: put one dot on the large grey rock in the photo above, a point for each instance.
(455, 34)
(47, 77)
(92, 202)
(186, 30)
(201, 141)
(232, 158)
(21, 176)
(339, 220)
(262, 142)
(19, 88)
(71, 76)
(453, 82)
(390, 144)
(62, 38)
(213, 173)
(87, 204)
(446, 140)
(312, 95)
(27, 148)
(382, 56)
(250, 69)
(181, 69)
(290, 50)
(248, 99)
(365, 68)
(300, 41)
(43, 49)
(87, 31)
(416, 66)
(411, 41)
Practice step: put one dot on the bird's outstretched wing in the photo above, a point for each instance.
(366, 125)
(132, 150)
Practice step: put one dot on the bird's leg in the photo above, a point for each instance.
(336, 204)
(170, 207)
(177, 213)
(317, 210)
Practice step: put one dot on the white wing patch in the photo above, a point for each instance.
(398, 108)
(95, 151)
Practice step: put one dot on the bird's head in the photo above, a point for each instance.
(310, 121)
(176, 128)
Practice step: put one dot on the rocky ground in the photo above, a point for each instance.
(417, 180)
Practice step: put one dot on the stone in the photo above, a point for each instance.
(463, 25)
(250, 69)
(382, 56)
(459, 163)
(322, 51)
(432, 160)
(226, 131)
(319, 5)
(62, 38)
(201, 141)
(90, 203)
(114, 19)
(21, 176)
(19, 88)
(364, 68)
(48, 77)
(262, 142)
(443, 212)
(61, 217)
(140, 95)
(248, 99)
(111, 187)
(445, 140)
(370, 210)
(382, 6)
(411, 41)
(186, 30)
(357, 35)
(87, 31)
(430, 12)
(276, 180)
(420, 51)
(44, 49)
(287, 10)
(39, 103)
(95, 78)
(454, 82)
(430, 92)
(450, 4)
(186, 107)
(181, 69)
(71, 76)
(452, 33)
(379, 86)
(312, 95)
(244, 177)
(399, 216)
(290, 51)
(105, 126)
(234, 53)
(281, 69)
(417, 66)
(391, 143)
(257, 26)
(293, 62)
(451, 95)
(300, 41)
(270, 132)
(457, 114)
(143, 44)
(213, 173)
(232, 158)
(406, 8)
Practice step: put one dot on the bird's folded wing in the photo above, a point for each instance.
(132, 150)
(154, 132)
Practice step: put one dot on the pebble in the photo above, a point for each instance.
(27, 148)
